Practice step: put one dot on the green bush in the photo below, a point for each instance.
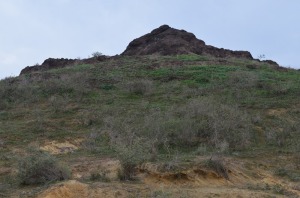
(40, 168)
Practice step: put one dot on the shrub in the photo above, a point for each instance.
(223, 126)
(99, 176)
(131, 156)
(97, 142)
(58, 103)
(281, 172)
(243, 79)
(218, 166)
(40, 168)
(139, 87)
(96, 54)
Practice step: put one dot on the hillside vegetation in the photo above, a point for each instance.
(158, 109)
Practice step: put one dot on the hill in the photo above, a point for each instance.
(185, 124)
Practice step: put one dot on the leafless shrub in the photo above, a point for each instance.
(98, 142)
(99, 176)
(40, 168)
(139, 87)
(125, 136)
(216, 123)
(201, 149)
(40, 121)
(59, 103)
(280, 89)
(252, 66)
(132, 155)
(96, 54)
(201, 121)
(218, 166)
(243, 79)
(2, 143)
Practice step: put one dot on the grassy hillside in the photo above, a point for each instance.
(152, 108)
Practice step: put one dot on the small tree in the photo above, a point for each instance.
(261, 56)
(96, 54)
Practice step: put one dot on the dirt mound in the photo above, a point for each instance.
(66, 190)
(169, 41)
(192, 176)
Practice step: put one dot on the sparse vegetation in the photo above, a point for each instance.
(131, 155)
(99, 176)
(218, 166)
(40, 168)
(139, 87)
(165, 109)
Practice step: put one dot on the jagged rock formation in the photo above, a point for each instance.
(169, 41)
(53, 63)
(50, 63)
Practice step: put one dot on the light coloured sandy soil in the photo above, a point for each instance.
(55, 147)
(246, 179)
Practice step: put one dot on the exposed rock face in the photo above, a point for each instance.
(169, 41)
(53, 63)
(50, 63)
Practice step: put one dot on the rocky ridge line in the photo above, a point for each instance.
(170, 41)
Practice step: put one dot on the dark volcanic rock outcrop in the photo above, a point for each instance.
(169, 41)
(50, 63)
(54, 63)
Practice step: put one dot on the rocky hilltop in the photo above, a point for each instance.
(161, 41)
(170, 41)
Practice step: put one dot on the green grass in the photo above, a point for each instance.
(76, 68)
(94, 85)
(194, 57)
(170, 108)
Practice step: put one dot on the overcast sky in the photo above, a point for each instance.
(34, 30)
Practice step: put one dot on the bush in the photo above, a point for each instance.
(99, 176)
(223, 126)
(96, 54)
(40, 168)
(131, 156)
(218, 166)
(243, 79)
(139, 87)
(202, 121)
